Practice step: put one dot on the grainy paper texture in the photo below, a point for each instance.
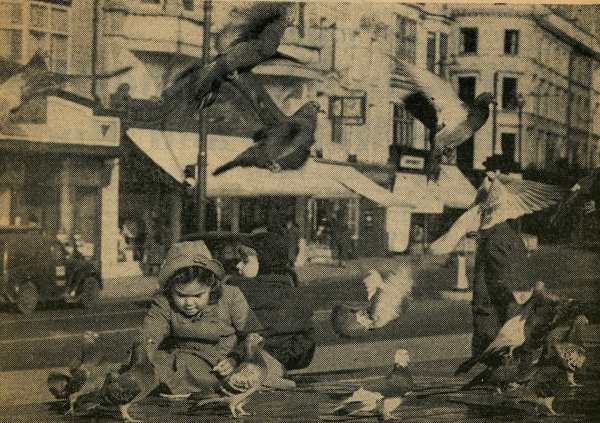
(392, 188)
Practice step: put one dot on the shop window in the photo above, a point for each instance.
(511, 41)
(509, 93)
(431, 51)
(337, 131)
(403, 126)
(468, 40)
(406, 39)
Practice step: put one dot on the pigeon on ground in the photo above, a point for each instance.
(86, 373)
(548, 377)
(387, 299)
(131, 383)
(530, 325)
(248, 377)
(499, 198)
(449, 120)
(284, 142)
(380, 396)
(244, 43)
(586, 188)
(20, 83)
(538, 387)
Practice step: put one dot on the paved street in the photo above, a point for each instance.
(435, 331)
(576, 405)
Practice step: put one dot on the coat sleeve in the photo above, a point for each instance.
(243, 320)
(157, 324)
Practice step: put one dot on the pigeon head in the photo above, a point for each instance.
(310, 109)
(401, 358)
(253, 343)
(485, 98)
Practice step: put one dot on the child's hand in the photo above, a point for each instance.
(225, 367)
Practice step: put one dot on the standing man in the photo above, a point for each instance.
(501, 256)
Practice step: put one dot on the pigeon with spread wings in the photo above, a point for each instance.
(20, 83)
(450, 120)
(245, 42)
(499, 198)
(283, 142)
(388, 298)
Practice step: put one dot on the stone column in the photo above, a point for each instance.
(65, 210)
(109, 217)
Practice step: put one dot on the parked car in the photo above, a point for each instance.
(36, 268)
(272, 254)
(284, 310)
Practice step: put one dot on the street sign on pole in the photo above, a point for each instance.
(201, 200)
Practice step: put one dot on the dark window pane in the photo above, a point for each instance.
(466, 88)
(443, 53)
(509, 93)
(431, 51)
(469, 40)
(511, 41)
(188, 4)
(508, 146)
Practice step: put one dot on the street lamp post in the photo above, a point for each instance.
(202, 128)
(520, 104)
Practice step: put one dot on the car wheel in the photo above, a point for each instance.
(27, 298)
(89, 296)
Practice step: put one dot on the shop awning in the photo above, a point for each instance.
(455, 189)
(363, 185)
(413, 188)
(173, 151)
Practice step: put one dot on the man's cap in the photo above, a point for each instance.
(189, 254)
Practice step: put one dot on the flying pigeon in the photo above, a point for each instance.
(248, 377)
(380, 396)
(437, 106)
(20, 83)
(253, 39)
(387, 300)
(131, 383)
(499, 198)
(587, 188)
(283, 143)
(86, 373)
(530, 325)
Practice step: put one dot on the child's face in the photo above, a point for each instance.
(190, 298)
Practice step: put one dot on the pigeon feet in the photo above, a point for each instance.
(237, 410)
(571, 380)
(124, 409)
(274, 167)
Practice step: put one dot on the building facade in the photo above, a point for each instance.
(540, 64)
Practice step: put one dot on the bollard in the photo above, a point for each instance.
(461, 291)
(462, 283)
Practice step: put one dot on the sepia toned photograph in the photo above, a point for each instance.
(305, 211)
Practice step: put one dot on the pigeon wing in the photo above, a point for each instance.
(251, 91)
(510, 198)
(469, 221)
(450, 109)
